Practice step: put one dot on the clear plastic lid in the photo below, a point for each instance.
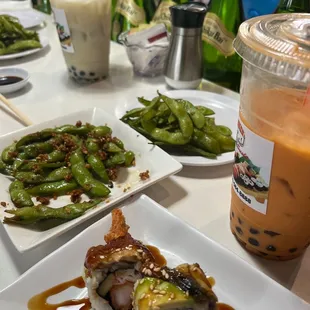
(278, 44)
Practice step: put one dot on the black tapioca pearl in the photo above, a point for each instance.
(233, 214)
(253, 241)
(292, 250)
(91, 73)
(82, 73)
(75, 74)
(70, 70)
(239, 220)
(263, 253)
(271, 233)
(254, 231)
(239, 230)
(73, 68)
(271, 248)
(96, 79)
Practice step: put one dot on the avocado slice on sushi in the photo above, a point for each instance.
(151, 293)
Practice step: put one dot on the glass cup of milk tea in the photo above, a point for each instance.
(84, 29)
(270, 205)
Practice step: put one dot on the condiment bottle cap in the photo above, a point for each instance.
(188, 15)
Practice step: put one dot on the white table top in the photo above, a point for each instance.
(200, 196)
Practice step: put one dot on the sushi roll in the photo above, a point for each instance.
(123, 275)
(111, 270)
(182, 288)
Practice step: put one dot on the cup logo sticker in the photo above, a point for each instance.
(63, 30)
(252, 168)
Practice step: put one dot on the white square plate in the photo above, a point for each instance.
(148, 157)
(237, 283)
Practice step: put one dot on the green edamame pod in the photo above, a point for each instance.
(209, 125)
(55, 156)
(84, 178)
(115, 160)
(175, 138)
(185, 122)
(28, 177)
(8, 154)
(24, 45)
(33, 150)
(19, 196)
(92, 145)
(101, 131)
(143, 101)
(38, 166)
(50, 189)
(19, 161)
(111, 147)
(31, 215)
(227, 144)
(204, 110)
(71, 129)
(129, 158)
(58, 174)
(198, 151)
(98, 167)
(136, 112)
(225, 131)
(196, 116)
(119, 143)
(34, 137)
(205, 142)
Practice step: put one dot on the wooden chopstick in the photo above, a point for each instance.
(13, 108)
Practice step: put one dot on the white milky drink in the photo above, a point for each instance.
(84, 28)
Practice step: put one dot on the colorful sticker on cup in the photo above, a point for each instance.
(252, 168)
(63, 30)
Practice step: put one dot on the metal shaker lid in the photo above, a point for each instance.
(278, 44)
(188, 15)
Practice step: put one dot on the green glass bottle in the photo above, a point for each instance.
(128, 14)
(42, 5)
(149, 8)
(294, 6)
(221, 64)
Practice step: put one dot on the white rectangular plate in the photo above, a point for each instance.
(237, 283)
(148, 157)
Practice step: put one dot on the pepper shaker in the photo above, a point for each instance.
(184, 63)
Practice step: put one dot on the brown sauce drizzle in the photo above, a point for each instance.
(39, 302)
(221, 306)
(159, 258)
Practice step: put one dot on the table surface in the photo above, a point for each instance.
(200, 196)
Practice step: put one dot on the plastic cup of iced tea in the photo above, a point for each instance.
(270, 204)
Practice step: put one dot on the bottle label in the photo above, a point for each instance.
(134, 14)
(162, 14)
(63, 30)
(252, 168)
(215, 33)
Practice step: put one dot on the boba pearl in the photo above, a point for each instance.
(239, 230)
(271, 248)
(253, 241)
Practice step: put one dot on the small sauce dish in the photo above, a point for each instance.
(12, 79)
